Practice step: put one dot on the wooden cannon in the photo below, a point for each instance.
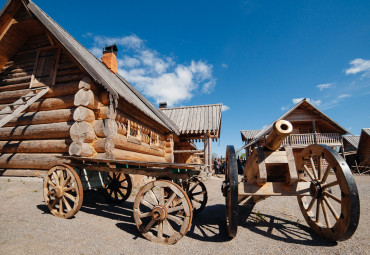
(319, 177)
(163, 208)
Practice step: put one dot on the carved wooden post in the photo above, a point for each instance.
(209, 153)
(206, 153)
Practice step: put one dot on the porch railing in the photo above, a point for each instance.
(312, 138)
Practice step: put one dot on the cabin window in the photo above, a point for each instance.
(153, 139)
(44, 71)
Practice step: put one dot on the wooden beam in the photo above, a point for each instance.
(12, 21)
(154, 172)
(188, 151)
(274, 189)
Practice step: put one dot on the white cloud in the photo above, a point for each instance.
(225, 66)
(284, 108)
(225, 108)
(314, 102)
(343, 96)
(359, 65)
(324, 86)
(155, 75)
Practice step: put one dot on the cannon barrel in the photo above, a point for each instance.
(281, 129)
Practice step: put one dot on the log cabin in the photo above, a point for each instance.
(57, 98)
(310, 126)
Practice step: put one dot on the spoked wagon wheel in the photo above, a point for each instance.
(119, 187)
(230, 191)
(63, 191)
(333, 208)
(197, 193)
(159, 219)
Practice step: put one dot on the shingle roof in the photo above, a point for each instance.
(303, 103)
(352, 139)
(98, 71)
(366, 131)
(196, 120)
(247, 135)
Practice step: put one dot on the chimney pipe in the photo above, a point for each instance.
(110, 57)
(162, 105)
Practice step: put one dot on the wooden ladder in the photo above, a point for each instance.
(14, 109)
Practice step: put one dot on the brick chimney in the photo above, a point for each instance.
(162, 105)
(109, 57)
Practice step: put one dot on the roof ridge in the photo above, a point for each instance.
(96, 69)
(191, 106)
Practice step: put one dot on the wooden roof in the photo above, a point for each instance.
(196, 120)
(363, 145)
(95, 68)
(352, 140)
(305, 105)
(247, 135)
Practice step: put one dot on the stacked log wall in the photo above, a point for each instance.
(122, 136)
(76, 117)
(30, 142)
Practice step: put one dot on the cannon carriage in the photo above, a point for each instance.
(319, 177)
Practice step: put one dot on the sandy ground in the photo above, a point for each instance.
(101, 228)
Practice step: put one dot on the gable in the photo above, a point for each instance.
(100, 74)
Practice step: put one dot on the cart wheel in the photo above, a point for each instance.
(197, 193)
(63, 191)
(119, 187)
(230, 191)
(159, 219)
(333, 209)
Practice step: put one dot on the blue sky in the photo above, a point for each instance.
(255, 57)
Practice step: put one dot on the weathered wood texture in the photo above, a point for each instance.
(40, 131)
(35, 146)
(130, 155)
(29, 161)
(30, 141)
(122, 143)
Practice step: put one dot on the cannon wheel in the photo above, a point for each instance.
(333, 209)
(119, 187)
(231, 191)
(197, 193)
(63, 192)
(160, 219)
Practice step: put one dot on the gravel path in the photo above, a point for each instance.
(99, 228)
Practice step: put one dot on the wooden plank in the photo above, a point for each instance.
(262, 172)
(154, 172)
(274, 189)
(135, 163)
(188, 151)
(31, 98)
(276, 157)
(293, 176)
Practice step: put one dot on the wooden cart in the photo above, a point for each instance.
(319, 177)
(163, 209)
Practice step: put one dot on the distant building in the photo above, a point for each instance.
(310, 126)
(350, 144)
(363, 152)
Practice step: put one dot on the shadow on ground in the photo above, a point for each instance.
(279, 229)
(209, 225)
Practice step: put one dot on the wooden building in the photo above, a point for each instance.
(310, 126)
(350, 146)
(363, 152)
(56, 98)
(196, 123)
